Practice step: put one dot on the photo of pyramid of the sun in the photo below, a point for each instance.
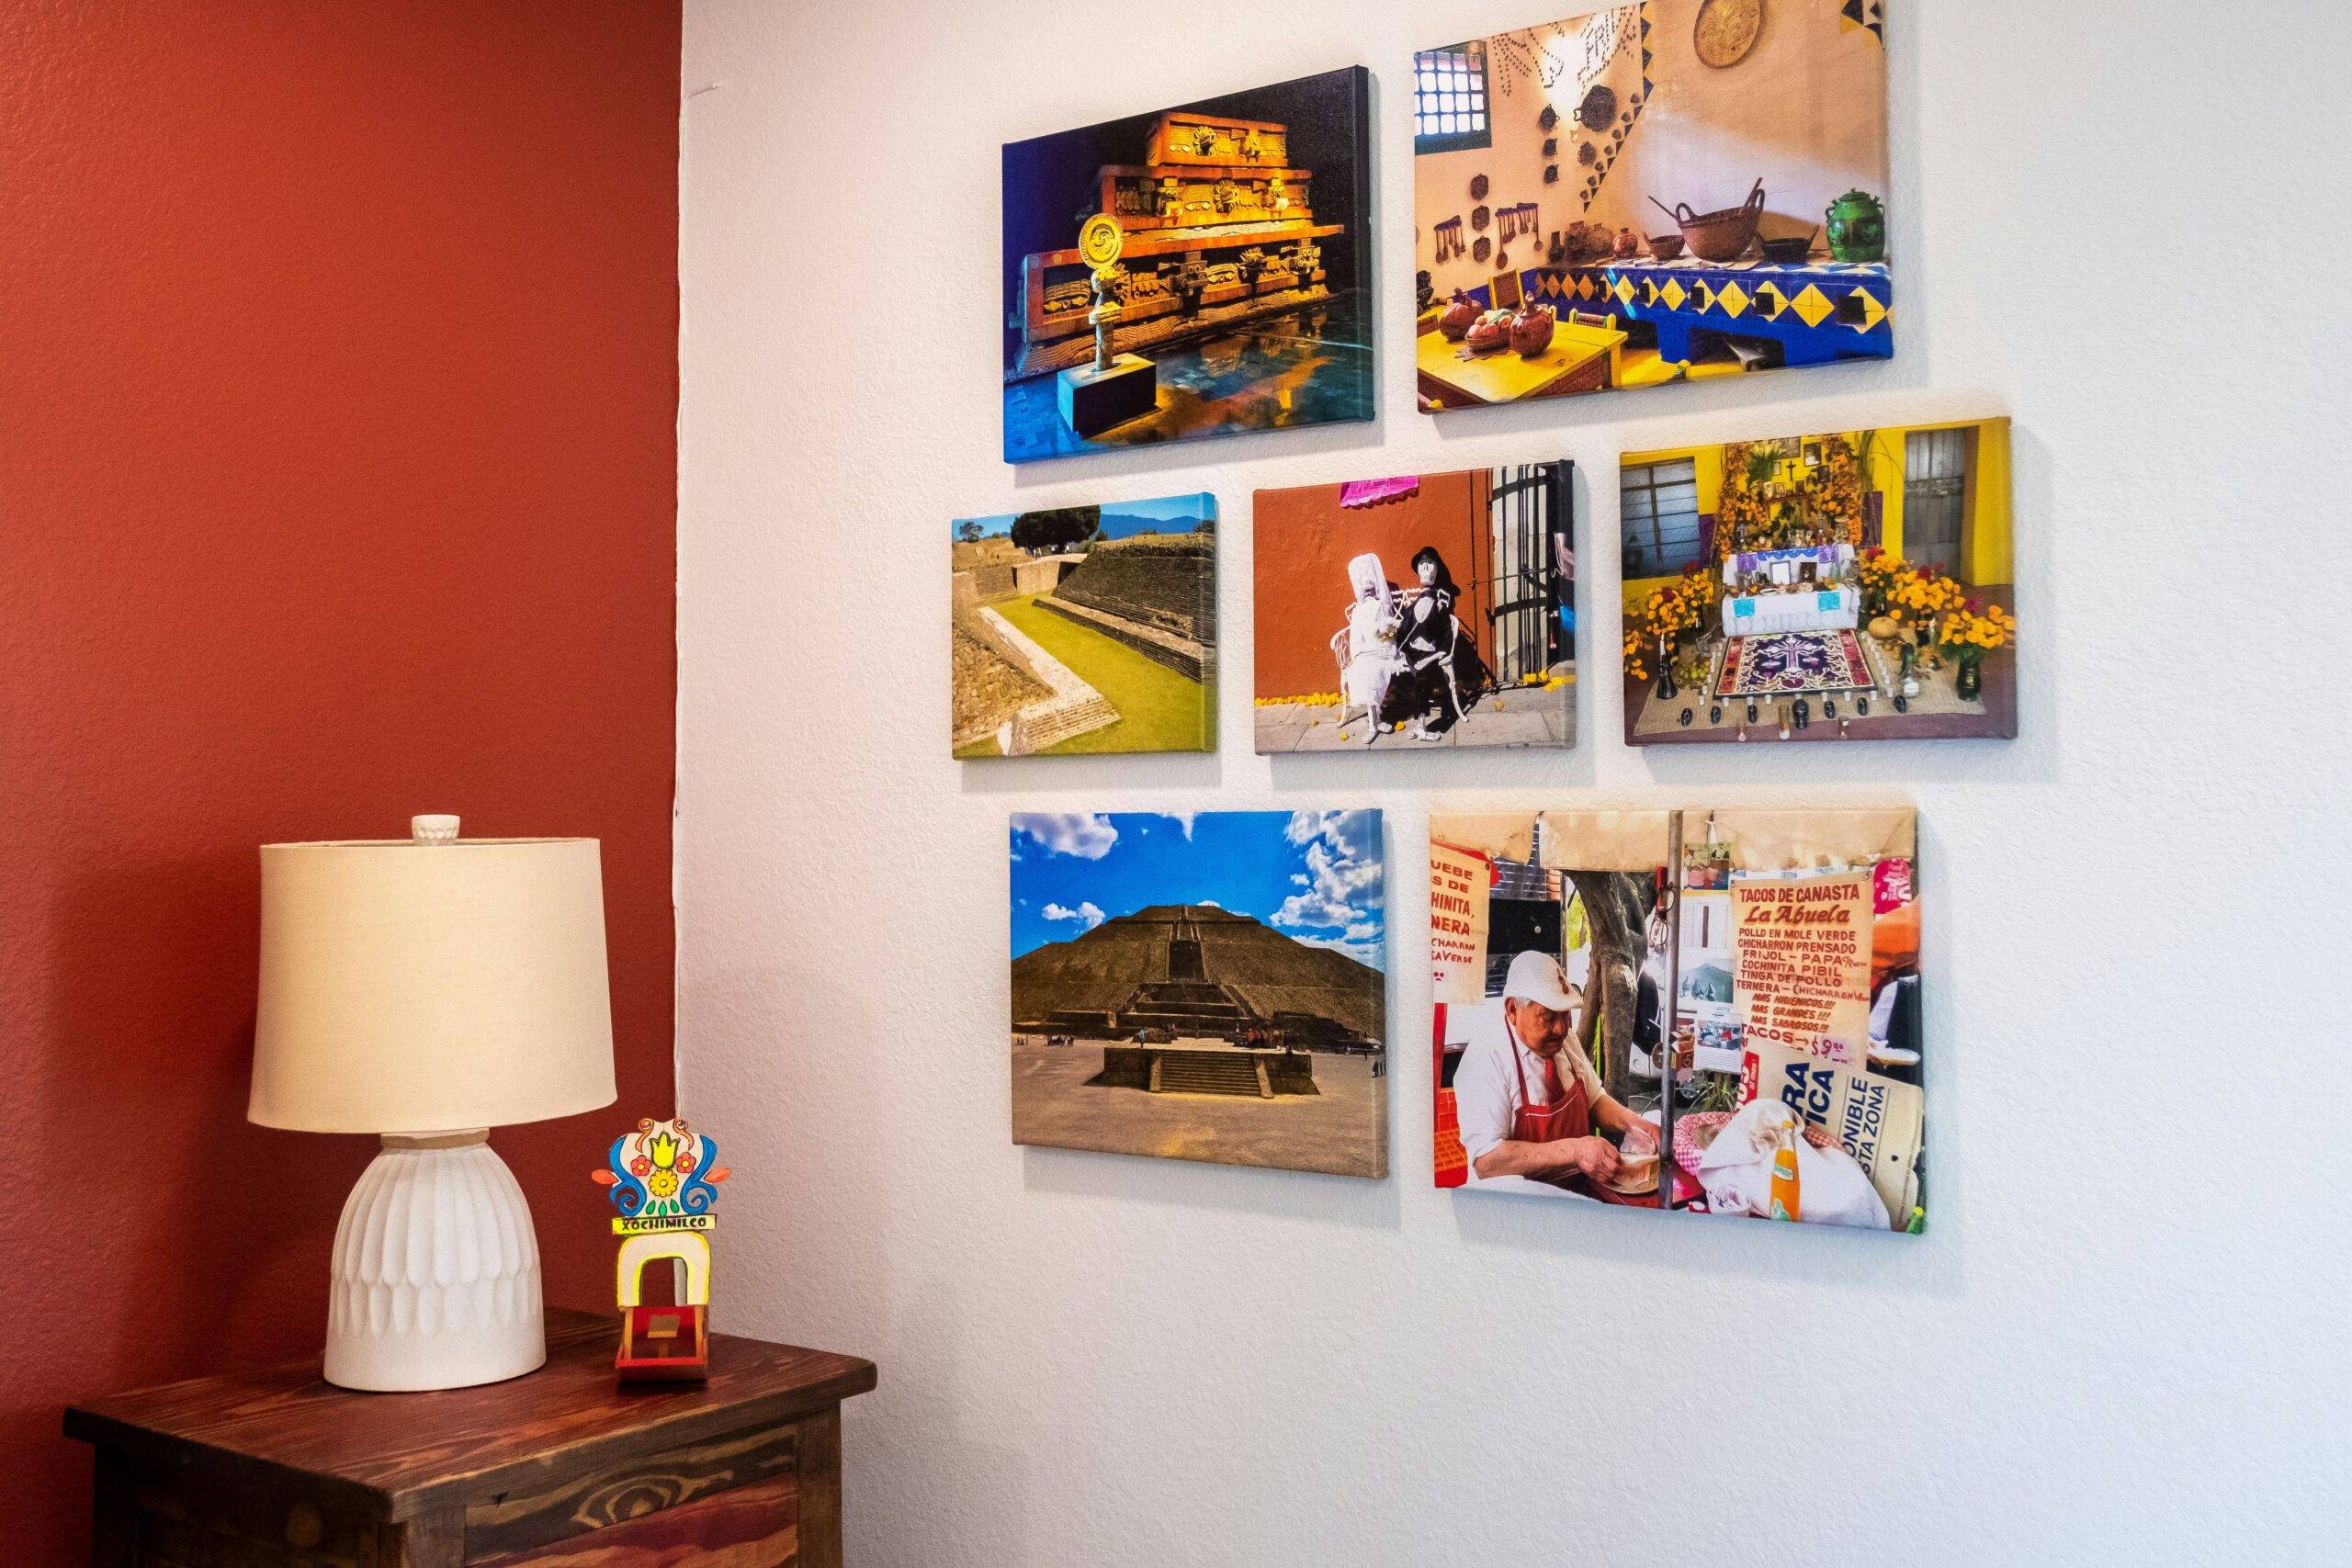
(1202, 986)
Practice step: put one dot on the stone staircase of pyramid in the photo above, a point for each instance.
(1191, 659)
(1185, 1006)
(1056, 719)
(1073, 709)
(1210, 1072)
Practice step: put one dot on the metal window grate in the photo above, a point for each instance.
(1450, 98)
(1657, 511)
(1935, 497)
(1527, 516)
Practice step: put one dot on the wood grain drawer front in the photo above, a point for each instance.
(753, 1526)
(755, 1474)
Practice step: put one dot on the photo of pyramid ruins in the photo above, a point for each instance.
(1205, 987)
(1086, 628)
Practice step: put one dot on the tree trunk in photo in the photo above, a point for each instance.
(1615, 917)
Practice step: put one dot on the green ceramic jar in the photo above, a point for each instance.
(1856, 227)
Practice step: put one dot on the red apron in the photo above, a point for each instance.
(1566, 1114)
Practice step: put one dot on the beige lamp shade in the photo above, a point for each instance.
(431, 987)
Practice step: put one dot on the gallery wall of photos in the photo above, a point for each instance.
(1710, 1008)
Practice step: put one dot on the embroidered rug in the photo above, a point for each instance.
(1794, 664)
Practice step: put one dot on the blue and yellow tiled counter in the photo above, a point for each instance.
(1816, 311)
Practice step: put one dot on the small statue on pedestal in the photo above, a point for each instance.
(1116, 387)
(1106, 311)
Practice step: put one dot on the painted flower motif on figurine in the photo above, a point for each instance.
(662, 1169)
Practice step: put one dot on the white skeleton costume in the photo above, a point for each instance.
(1373, 620)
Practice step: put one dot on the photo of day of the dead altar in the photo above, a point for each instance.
(1852, 585)
(1715, 1011)
(1202, 986)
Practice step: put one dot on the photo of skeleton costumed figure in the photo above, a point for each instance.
(1420, 658)
(1406, 661)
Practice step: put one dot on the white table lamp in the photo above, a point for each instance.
(428, 989)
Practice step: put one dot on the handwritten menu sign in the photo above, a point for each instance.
(1800, 963)
(1457, 924)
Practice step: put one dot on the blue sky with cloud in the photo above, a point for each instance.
(1313, 876)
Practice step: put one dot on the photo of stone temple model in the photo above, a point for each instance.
(1228, 304)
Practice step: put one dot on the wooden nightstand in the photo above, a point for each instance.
(562, 1466)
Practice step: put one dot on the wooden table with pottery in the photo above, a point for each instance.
(1578, 359)
(559, 1466)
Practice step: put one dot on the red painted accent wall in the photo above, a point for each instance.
(338, 385)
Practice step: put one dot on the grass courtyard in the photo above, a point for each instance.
(1159, 709)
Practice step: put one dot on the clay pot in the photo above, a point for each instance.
(1490, 333)
(1629, 244)
(1531, 330)
(1666, 247)
(1458, 316)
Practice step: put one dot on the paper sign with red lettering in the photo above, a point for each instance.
(1800, 963)
(1458, 884)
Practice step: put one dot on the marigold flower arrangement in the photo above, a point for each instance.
(1975, 628)
(1923, 595)
(1681, 608)
(1841, 489)
(1878, 573)
(1636, 653)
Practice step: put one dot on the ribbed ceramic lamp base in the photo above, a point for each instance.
(436, 1271)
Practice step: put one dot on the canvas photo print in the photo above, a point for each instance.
(1191, 273)
(1709, 1011)
(1853, 585)
(1202, 986)
(1427, 610)
(1663, 192)
(1086, 628)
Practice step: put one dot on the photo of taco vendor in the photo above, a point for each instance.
(1530, 1104)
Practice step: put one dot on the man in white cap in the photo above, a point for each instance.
(1528, 1100)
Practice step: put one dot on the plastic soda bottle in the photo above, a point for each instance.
(1784, 1176)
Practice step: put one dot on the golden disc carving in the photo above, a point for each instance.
(1726, 30)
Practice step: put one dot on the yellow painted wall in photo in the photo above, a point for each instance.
(1990, 551)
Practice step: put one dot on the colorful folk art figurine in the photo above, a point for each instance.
(664, 1185)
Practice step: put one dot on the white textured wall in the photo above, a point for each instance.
(2124, 1340)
